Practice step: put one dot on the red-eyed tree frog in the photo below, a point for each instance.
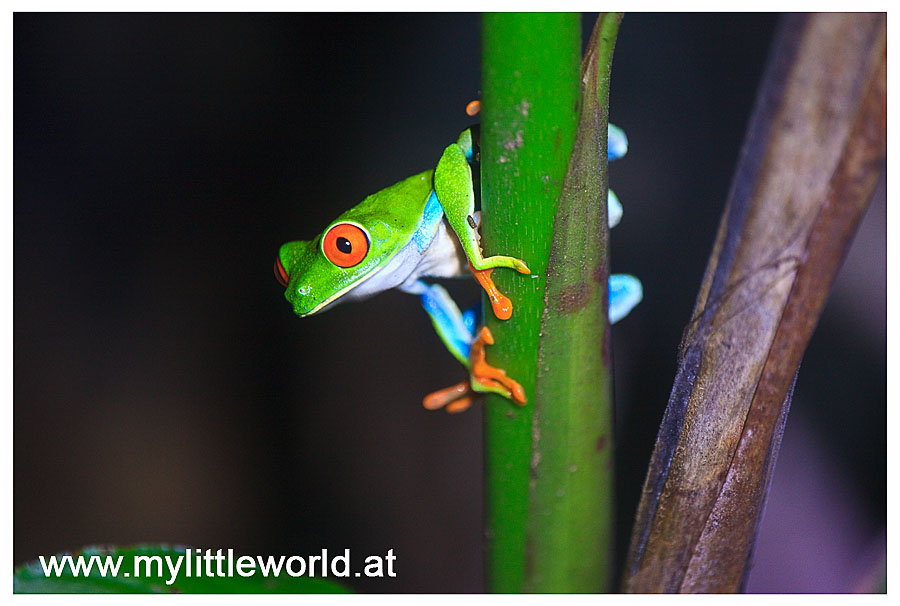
(426, 227)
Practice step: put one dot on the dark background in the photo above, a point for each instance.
(164, 392)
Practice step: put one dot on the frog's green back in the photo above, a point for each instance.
(399, 206)
(391, 217)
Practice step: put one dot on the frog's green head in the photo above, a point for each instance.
(353, 248)
(317, 272)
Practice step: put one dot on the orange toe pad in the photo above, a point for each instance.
(443, 397)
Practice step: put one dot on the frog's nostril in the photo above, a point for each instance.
(280, 274)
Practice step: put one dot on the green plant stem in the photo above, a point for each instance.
(572, 495)
(531, 100)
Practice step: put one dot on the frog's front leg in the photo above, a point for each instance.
(453, 186)
(456, 330)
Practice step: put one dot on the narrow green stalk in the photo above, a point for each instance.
(530, 81)
(571, 513)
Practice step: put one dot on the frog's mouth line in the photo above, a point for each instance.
(333, 298)
(327, 302)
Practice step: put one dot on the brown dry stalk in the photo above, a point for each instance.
(815, 147)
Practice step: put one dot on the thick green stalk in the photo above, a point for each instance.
(530, 82)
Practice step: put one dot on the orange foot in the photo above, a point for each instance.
(456, 398)
(488, 378)
(501, 305)
(484, 378)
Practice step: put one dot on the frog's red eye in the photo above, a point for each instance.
(345, 245)
(280, 274)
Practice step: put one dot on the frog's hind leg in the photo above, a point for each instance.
(483, 378)
(449, 323)
(614, 209)
(455, 398)
(616, 142)
(457, 331)
(472, 318)
(625, 291)
(487, 378)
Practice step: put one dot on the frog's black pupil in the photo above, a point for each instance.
(343, 245)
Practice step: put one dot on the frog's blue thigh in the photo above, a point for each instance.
(625, 292)
(614, 208)
(447, 319)
(472, 318)
(616, 143)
